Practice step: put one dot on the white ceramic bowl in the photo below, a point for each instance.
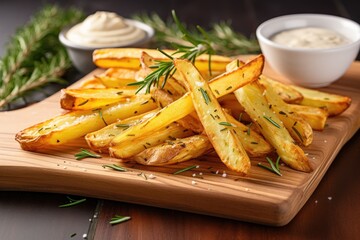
(309, 67)
(81, 56)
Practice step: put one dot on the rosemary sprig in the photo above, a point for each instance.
(274, 167)
(86, 154)
(193, 47)
(34, 55)
(72, 202)
(119, 219)
(185, 169)
(225, 40)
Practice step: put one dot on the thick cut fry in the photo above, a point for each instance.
(190, 121)
(252, 99)
(130, 58)
(298, 128)
(117, 77)
(176, 151)
(72, 125)
(224, 139)
(335, 104)
(91, 83)
(85, 99)
(132, 147)
(100, 140)
(286, 92)
(184, 106)
(254, 144)
(315, 116)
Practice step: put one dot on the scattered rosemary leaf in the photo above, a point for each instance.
(122, 125)
(272, 122)
(184, 169)
(115, 167)
(226, 124)
(84, 102)
(119, 219)
(86, 154)
(205, 95)
(297, 133)
(72, 202)
(273, 167)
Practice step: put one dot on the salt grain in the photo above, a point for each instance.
(152, 176)
(193, 182)
(224, 174)
(84, 236)
(330, 198)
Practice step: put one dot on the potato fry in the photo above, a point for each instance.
(298, 128)
(252, 99)
(315, 116)
(100, 140)
(287, 93)
(91, 98)
(117, 77)
(91, 83)
(335, 104)
(254, 144)
(130, 58)
(176, 151)
(224, 139)
(64, 128)
(128, 149)
(184, 106)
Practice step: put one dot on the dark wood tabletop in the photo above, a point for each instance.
(332, 212)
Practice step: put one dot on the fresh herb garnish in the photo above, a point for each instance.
(226, 124)
(99, 110)
(119, 219)
(274, 167)
(72, 202)
(35, 56)
(115, 167)
(223, 38)
(185, 169)
(272, 122)
(86, 154)
(122, 125)
(194, 45)
(297, 133)
(205, 95)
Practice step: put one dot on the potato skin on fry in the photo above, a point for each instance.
(176, 151)
(225, 140)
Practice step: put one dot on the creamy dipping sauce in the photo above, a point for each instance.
(310, 37)
(105, 29)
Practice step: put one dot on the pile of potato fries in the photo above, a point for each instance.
(236, 111)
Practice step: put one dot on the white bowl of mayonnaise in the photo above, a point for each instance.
(102, 30)
(311, 50)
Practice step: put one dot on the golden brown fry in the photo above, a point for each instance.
(299, 129)
(252, 99)
(131, 147)
(91, 98)
(286, 92)
(315, 116)
(254, 144)
(190, 121)
(176, 151)
(224, 139)
(100, 140)
(91, 83)
(64, 128)
(117, 77)
(184, 106)
(335, 104)
(130, 58)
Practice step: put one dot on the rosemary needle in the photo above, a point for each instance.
(86, 154)
(185, 169)
(115, 167)
(72, 202)
(119, 219)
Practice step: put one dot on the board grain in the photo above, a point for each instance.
(261, 197)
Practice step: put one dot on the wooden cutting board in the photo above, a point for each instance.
(261, 197)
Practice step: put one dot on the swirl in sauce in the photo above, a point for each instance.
(105, 29)
(310, 37)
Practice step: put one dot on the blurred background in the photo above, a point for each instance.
(245, 15)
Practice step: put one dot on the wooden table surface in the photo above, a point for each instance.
(332, 212)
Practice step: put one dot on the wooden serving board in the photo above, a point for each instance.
(261, 197)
